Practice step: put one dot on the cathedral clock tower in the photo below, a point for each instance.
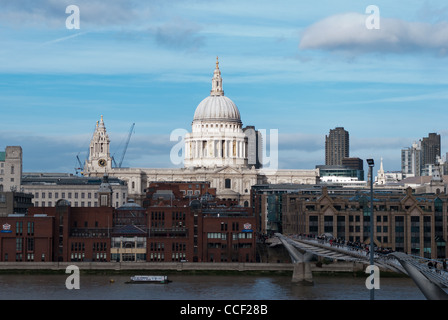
(99, 156)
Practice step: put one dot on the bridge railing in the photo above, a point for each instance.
(431, 268)
(380, 255)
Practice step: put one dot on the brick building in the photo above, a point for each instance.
(174, 226)
(26, 238)
(407, 222)
(188, 223)
(228, 234)
(78, 233)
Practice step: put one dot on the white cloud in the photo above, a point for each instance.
(348, 33)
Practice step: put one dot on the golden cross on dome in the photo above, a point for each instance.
(217, 63)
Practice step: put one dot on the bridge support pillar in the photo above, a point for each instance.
(302, 273)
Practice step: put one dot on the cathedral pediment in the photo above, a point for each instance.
(228, 170)
(227, 193)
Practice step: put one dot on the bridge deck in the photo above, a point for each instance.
(342, 251)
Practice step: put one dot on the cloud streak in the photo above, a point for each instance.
(63, 38)
(347, 33)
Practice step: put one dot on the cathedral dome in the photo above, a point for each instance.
(217, 107)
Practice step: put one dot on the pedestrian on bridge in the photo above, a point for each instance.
(439, 267)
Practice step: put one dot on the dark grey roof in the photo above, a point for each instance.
(64, 179)
(130, 205)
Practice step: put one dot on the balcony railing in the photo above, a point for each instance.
(89, 232)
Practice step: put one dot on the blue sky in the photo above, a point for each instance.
(297, 66)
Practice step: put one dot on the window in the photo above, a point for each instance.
(19, 227)
(30, 244)
(228, 183)
(19, 242)
(104, 199)
(30, 228)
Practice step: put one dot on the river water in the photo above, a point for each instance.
(203, 287)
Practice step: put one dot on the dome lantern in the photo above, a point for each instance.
(217, 81)
(217, 107)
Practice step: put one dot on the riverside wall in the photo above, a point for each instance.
(178, 266)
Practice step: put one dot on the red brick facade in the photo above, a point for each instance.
(173, 226)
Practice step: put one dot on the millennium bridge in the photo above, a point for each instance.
(429, 275)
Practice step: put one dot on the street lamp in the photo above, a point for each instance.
(371, 164)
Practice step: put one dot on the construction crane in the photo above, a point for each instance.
(125, 148)
(80, 165)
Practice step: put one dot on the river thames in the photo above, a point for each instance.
(203, 287)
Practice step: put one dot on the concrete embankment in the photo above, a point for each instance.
(345, 267)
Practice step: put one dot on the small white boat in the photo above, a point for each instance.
(149, 279)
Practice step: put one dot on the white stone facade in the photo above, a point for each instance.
(48, 188)
(217, 137)
(216, 151)
(99, 160)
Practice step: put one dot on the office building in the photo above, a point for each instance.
(48, 188)
(14, 202)
(337, 146)
(411, 160)
(430, 149)
(405, 222)
(419, 159)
